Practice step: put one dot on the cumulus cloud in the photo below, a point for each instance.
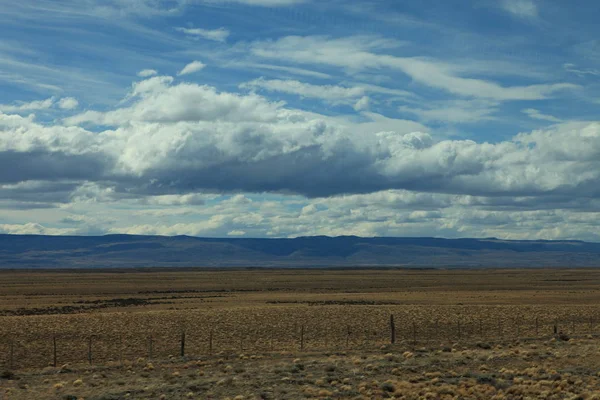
(145, 73)
(68, 103)
(192, 67)
(217, 35)
(332, 93)
(183, 138)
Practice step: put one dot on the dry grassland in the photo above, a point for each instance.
(289, 334)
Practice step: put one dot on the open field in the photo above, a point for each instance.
(322, 317)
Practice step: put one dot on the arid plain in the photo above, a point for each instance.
(288, 334)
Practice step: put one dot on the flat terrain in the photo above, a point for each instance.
(314, 333)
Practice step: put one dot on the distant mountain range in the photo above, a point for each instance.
(32, 251)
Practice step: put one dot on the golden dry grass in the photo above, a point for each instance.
(263, 312)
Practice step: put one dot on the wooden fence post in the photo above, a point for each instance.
(90, 350)
(12, 354)
(150, 348)
(392, 330)
(121, 350)
(54, 361)
(348, 336)
(183, 344)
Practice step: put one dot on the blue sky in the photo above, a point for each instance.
(279, 118)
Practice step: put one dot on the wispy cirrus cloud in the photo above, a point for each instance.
(520, 8)
(217, 35)
(537, 114)
(192, 67)
(358, 54)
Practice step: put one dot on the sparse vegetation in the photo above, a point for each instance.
(498, 343)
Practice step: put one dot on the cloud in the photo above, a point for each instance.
(362, 104)
(536, 114)
(358, 54)
(325, 92)
(455, 111)
(68, 103)
(262, 3)
(177, 139)
(520, 8)
(145, 73)
(192, 67)
(217, 35)
(581, 72)
(31, 106)
(33, 229)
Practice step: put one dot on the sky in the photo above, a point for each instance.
(286, 118)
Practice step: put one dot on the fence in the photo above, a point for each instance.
(31, 351)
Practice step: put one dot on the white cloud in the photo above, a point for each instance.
(34, 229)
(217, 35)
(520, 8)
(362, 104)
(68, 103)
(262, 3)
(192, 67)
(536, 114)
(145, 73)
(455, 111)
(357, 54)
(325, 92)
(30, 106)
(581, 71)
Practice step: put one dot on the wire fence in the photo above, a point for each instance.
(32, 350)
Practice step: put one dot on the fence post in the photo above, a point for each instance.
(392, 330)
(12, 354)
(182, 344)
(54, 362)
(90, 350)
(121, 350)
(347, 336)
(302, 338)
